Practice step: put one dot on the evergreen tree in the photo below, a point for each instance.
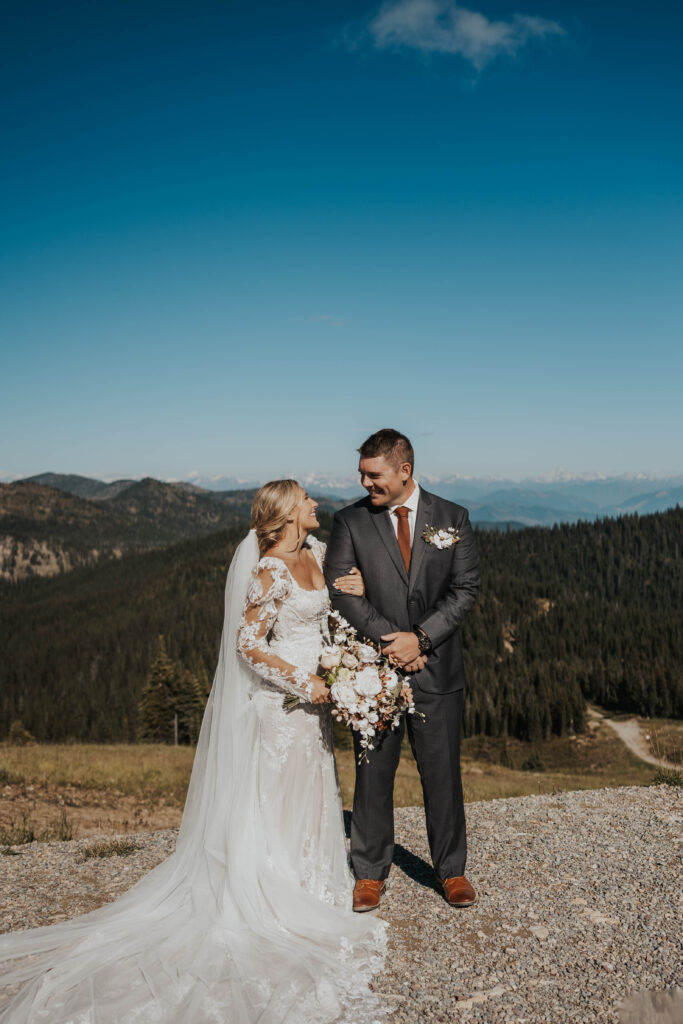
(157, 705)
(203, 681)
(188, 705)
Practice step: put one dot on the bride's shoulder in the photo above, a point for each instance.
(318, 547)
(270, 581)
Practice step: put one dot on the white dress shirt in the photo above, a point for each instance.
(411, 504)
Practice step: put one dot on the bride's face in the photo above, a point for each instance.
(305, 510)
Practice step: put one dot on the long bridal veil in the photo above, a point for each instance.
(215, 932)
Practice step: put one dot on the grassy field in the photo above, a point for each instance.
(665, 738)
(80, 789)
(153, 771)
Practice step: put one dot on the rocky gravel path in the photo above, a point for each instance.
(579, 906)
(579, 909)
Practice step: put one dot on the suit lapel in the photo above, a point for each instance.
(386, 532)
(419, 546)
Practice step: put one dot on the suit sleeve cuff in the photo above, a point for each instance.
(435, 628)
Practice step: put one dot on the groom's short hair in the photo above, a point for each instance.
(395, 447)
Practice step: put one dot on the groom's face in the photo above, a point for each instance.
(385, 482)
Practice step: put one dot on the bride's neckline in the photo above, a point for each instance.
(306, 590)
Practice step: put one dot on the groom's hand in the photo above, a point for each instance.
(403, 648)
(416, 666)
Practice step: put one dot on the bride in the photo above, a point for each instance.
(250, 919)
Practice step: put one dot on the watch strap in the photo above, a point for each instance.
(425, 644)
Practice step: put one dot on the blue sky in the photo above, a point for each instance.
(237, 238)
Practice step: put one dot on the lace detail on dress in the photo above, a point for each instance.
(268, 590)
(318, 547)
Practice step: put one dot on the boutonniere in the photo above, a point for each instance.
(441, 539)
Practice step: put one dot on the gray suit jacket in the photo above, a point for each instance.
(441, 588)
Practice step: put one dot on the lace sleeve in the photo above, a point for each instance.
(269, 588)
(318, 547)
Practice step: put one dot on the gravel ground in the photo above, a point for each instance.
(579, 908)
(579, 905)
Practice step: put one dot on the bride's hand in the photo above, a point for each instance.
(321, 691)
(352, 583)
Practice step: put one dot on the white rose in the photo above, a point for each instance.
(366, 654)
(330, 657)
(344, 694)
(349, 660)
(390, 678)
(367, 682)
(392, 683)
(344, 675)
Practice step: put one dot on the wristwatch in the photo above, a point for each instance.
(423, 640)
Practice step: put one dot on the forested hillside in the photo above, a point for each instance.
(48, 528)
(589, 610)
(44, 531)
(590, 607)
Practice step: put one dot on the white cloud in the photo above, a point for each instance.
(442, 26)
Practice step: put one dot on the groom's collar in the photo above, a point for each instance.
(410, 503)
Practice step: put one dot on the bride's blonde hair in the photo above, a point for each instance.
(271, 509)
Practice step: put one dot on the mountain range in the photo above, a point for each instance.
(57, 522)
(561, 498)
(542, 501)
(54, 522)
(558, 497)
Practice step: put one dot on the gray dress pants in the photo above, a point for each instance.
(435, 742)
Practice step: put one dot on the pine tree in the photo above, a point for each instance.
(188, 706)
(203, 681)
(157, 705)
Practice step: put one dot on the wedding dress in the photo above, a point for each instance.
(249, 921)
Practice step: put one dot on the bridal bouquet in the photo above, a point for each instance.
(367, 693)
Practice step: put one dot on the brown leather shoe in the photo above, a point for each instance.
(458, 891)
(366, 894)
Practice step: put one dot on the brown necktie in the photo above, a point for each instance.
(403, 533)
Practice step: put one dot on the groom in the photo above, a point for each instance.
(416, 598)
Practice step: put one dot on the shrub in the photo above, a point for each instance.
(668, 777)
(533, 763)
(109, 848)
(19, 736)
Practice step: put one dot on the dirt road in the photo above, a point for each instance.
(630, 733)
